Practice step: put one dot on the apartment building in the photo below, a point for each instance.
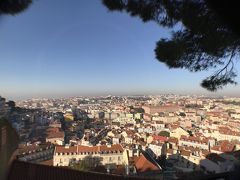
(104, 155)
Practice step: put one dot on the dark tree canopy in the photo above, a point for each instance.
(164, 133)
(203, 40)
(13, 6)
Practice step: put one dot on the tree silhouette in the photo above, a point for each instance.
(88, 163)
(13, 7)
(200, 38)
(12, 105)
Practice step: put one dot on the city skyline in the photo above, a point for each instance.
(197, 134)
(82, 52)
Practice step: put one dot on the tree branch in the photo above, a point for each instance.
(229, 61)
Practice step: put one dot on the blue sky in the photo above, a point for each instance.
(57, 48)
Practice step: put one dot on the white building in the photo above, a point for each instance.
(156, 147)
(199, 142)
(64, 155)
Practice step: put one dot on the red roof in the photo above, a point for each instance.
(225, 146)
(143, 165)
(199, 140)
(55, 135)
(185, 153)
(53, 129)
(173, 140)
(160, 138)
(88, 149)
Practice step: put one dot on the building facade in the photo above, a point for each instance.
(104, 155)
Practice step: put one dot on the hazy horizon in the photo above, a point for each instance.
(56, 49)
(17, 98)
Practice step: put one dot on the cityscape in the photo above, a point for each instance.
(119, 89)
(161, 136)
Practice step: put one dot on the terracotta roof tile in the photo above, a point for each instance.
(143, 165)
(185, 153)
(160, 138)
(55, 135)
(88, 149)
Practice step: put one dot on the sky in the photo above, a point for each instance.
(63, 48)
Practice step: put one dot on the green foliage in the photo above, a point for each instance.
(138, 110)
(199, 41)
(87, 164)
(164, 133)
(12, 105)
(193, 106)
(82, 166)
(131, 107)
(182, 114)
